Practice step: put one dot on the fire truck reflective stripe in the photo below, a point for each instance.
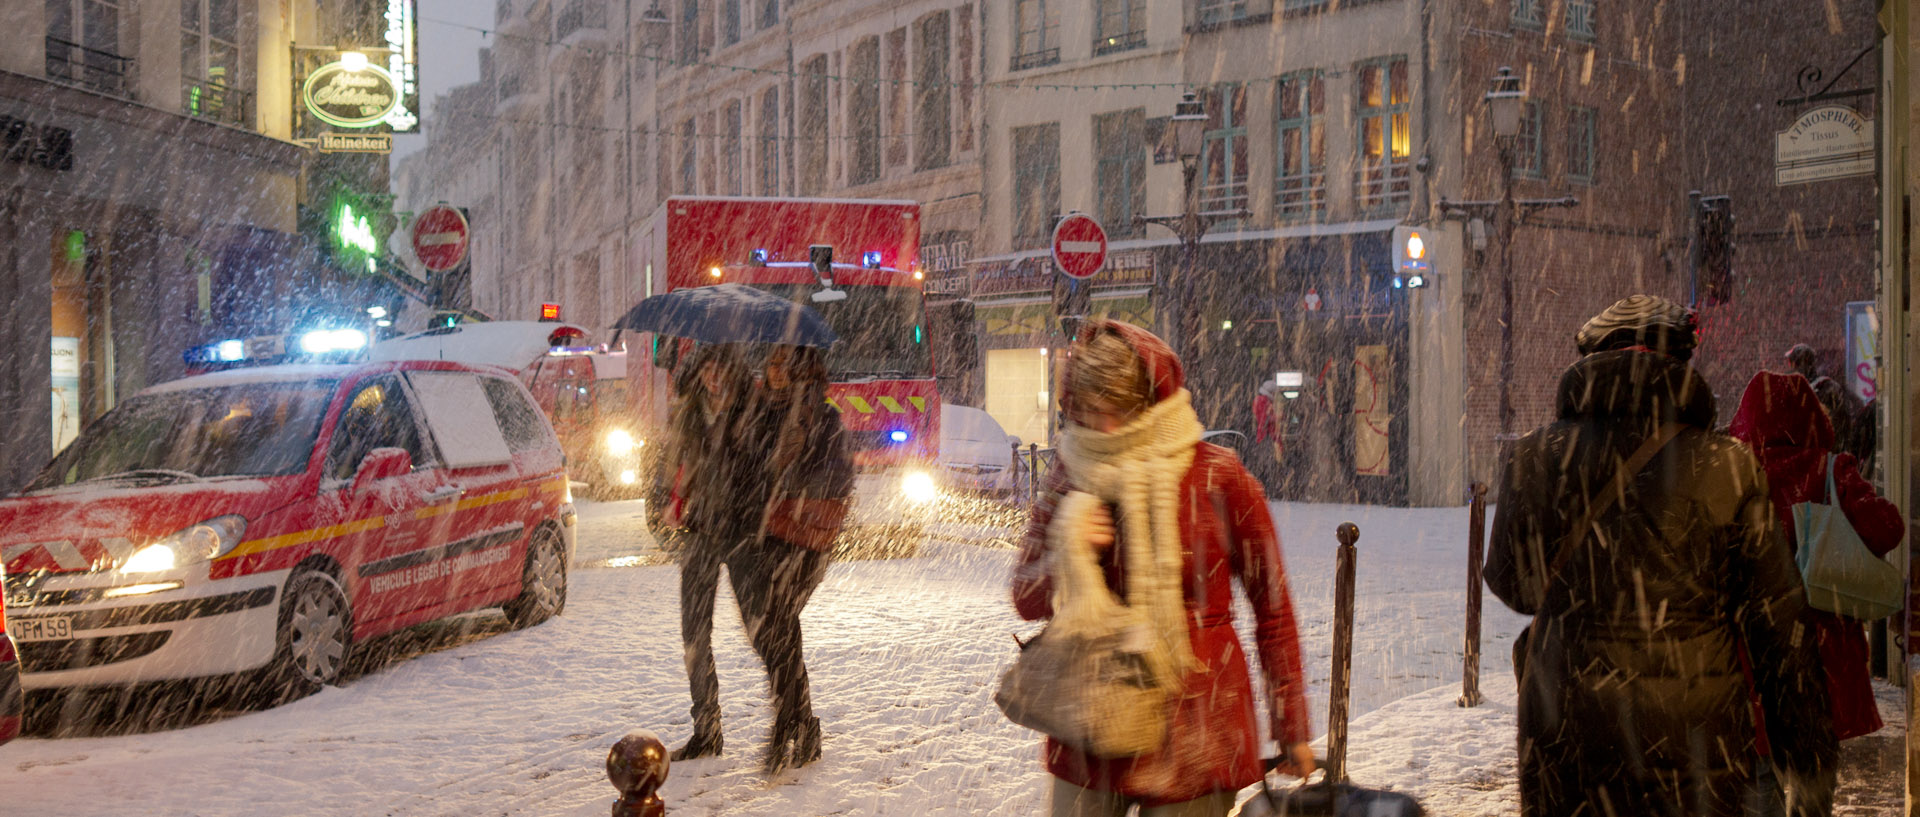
(66, 555)
(919, 403)
(892, 405)
(860, 404)
(311, 535)
(833, 403)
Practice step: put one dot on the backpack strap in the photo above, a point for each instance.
(1604, 502)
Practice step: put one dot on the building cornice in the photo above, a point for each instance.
(66, 99)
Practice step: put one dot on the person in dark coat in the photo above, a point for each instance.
(694, 474)
(1632, 697)
(1783, 421)
(1188, 520)
(781, 443)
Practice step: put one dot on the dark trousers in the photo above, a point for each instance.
(772, 582)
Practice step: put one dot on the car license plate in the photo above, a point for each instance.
(40, 628)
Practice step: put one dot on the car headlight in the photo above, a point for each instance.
(918, 486)
(620, 442)
(207, 540)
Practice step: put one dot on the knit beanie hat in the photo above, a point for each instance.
(1640, 320)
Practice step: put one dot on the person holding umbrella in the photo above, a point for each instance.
(769, 491)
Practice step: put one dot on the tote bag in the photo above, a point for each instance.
(1096, 679)
(1842, 576)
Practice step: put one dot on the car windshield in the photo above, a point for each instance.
(252, 430)
(882, 330)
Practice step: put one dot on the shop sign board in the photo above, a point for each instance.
(1833, 142)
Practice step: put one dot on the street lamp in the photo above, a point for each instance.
(1505, 102)
(1189, 140)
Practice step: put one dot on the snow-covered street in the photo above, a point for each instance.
(904, 656)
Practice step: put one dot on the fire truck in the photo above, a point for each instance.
(854, 262)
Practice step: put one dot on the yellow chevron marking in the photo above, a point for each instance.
(835, 404)
(859, 404)
(892, 405)
(919, 403)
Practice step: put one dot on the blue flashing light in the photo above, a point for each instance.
(230, 351)
(1398, 282)
(870, 259)
(897, 435)
(760, 257)
(916, 333)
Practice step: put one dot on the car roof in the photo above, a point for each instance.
(508, 344)
(307, 372)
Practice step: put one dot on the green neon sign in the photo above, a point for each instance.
(355, 232)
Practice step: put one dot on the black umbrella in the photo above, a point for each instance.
(729, 313)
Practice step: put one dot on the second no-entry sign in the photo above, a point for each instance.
(1079, 245)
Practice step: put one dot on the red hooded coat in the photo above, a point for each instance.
(1226, 531)
(1780, 417)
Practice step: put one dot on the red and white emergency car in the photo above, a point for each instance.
(269, 519)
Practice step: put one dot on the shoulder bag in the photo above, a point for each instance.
(1578, 536)
(1096, 679)
(1842, 576)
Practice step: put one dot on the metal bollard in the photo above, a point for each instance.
(637, 766)
(1476, 556)
(1348, 533)
(1033, 473)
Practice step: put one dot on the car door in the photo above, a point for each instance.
(488, 519)
(396, 523)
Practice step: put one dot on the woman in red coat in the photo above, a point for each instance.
(1781, 418)
(1132, 441)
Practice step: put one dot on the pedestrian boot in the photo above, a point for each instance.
(702, 744)
(806, 742)
(793, 745)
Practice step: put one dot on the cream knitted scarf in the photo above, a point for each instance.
(1139, 467)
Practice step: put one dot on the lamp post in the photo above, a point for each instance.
(1505, 101)
(1189, 138)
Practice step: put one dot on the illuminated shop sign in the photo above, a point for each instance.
(370, 85)
(350, 93)
(403, 65)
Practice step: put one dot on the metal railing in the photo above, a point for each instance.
(205, 99)
(1120, 42)
(1580, 19)
(1299, 196)
(1225, 197)
(90, 68)
(1035, 59)
(1385, 184)
(1214, 12)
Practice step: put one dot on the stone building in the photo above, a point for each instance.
(149, 197)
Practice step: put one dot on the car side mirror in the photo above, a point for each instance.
(381, 463)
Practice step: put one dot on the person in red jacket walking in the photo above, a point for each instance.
(1132, 441)
(1782, 420)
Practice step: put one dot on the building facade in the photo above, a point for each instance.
(149, 199)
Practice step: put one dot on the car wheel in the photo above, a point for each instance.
(543, 582)
(315, 637)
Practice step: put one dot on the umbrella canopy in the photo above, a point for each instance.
(729, 313)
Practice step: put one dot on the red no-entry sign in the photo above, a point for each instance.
(1079, 245)
(440, 238)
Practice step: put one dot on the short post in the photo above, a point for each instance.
(637, 766)
(1033, 473)
(1476, 555)
(1348, 533)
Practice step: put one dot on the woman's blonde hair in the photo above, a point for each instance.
(1107, 367)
